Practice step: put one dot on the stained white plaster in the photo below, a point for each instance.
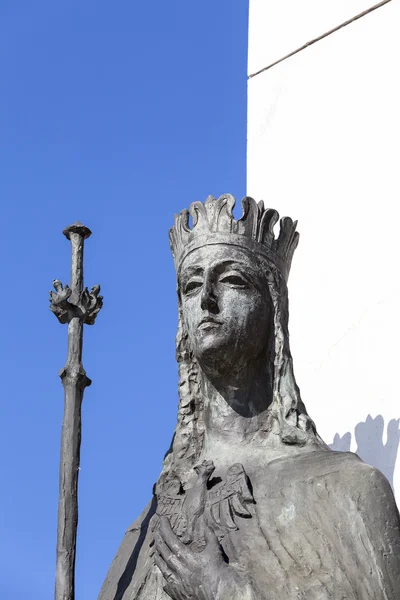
(323, 147)
(279, 27)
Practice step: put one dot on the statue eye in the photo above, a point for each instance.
(193, 285)
(235, 280)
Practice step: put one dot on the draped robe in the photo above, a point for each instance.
(323, 525)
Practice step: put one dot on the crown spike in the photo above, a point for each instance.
(198, 213)
(224, 213)
(286, 235)
(267, 224)
(249, 220)
(211, 207)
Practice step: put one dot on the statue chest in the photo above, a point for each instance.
(292, 526)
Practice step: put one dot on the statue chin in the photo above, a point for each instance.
(215, 354)
(211, 340)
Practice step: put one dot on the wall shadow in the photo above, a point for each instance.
(368, 435)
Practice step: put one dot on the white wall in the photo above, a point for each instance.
(323, 147)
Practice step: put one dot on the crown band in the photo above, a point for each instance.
(213, 223)
(231, 239)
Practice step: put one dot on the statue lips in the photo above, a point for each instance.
(208, 323)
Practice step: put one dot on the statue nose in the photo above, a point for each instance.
(208, 297)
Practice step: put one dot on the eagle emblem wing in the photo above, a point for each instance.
(230, 500)
(170, 497)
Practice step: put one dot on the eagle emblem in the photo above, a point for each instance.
(216, 503)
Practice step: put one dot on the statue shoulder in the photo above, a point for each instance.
(354, 495)
(310, 463)
(360, 479)
(369, 487)
(340, 470)
(366, 489)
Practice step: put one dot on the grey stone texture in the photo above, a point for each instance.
(251, 504)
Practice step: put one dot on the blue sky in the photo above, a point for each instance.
(119, 115)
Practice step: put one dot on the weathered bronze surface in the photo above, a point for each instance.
(251, 504)
(76, 306)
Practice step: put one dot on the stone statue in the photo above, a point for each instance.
(251, 504)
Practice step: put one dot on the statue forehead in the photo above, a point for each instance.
(211, 254)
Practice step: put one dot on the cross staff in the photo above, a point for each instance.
(74, 305)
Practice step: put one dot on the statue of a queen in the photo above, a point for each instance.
(251, 504)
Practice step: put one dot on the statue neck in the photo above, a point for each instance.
(239, 426)
(236, 411)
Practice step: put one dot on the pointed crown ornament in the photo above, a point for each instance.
(213, 223)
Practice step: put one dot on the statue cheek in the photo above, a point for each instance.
(248, 309)
(191, 310)
(257, 317)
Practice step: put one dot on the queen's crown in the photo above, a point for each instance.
(213, 223)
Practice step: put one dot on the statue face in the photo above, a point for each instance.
(226, 306)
